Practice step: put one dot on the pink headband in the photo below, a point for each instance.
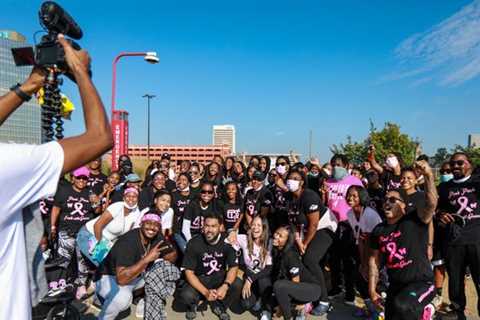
(130, 190)
(152, 217)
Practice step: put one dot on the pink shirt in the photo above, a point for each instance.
(337, 193)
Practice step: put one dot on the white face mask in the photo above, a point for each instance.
(293, 185)
(392, 162)
(281, 170)
(131, 207)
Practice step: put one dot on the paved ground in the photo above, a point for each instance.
(341, 311)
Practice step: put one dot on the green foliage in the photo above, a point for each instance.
(473, 153)
(388, 140)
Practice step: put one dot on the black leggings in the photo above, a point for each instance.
(261, 288)
(314, 254)
(287, 291)
(407, 302)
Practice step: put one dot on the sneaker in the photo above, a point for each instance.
(266, 315)
(322, 309)
(81, 293)
(140, 309)
(191, 313)
(300, 314)
(335, 292)
(55, 292)
(428, 312)
(220, 312)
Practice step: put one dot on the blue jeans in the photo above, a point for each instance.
(84, 238)
(181, 242)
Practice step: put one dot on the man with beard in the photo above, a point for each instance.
(123, 269)
(210, 271)
(401, 242)
(459, 209)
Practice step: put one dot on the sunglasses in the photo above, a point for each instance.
(457, 162)
(446, 171)
(281, 164)
(206, 192)
(82, 178)
(393, 200)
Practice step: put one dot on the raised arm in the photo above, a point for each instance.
(97, 139)
(431, 196)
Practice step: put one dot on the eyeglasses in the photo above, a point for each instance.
(206, 192)
(445, 171)
(457, 162)
(281, 164)
(82, 178)
(393, 200)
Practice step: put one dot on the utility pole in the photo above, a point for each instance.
(310, 145)
(149, 97)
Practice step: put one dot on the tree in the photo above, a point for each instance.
(388, 140)
(472, 152)
(440, 157)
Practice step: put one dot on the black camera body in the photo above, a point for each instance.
(49, 53)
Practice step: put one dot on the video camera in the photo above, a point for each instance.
(49, 53)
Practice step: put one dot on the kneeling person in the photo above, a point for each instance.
(123, 268)
(210, 270)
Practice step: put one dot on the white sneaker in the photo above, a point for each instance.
(140, 309)
(266, 315)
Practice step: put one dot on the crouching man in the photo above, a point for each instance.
(124, 268)
(210, 272)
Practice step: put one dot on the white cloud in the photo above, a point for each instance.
(449, 52)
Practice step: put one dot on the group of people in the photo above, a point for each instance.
(264, 238)
(267, 238)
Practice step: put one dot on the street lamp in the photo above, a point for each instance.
(149, 97)
(150, 57)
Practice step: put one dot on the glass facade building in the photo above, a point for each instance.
(23, 126)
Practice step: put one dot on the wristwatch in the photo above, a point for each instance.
(20, 93)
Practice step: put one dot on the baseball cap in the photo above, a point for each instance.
(82, 171)
(258, 175)
(133, 177)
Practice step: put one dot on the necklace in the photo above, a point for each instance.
(145, 249)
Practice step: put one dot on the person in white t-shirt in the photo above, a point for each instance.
(162, 200)
(362, 219)
(31, 172)
(96, 237)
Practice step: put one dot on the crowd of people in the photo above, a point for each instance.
(266, 238)
(281, 238)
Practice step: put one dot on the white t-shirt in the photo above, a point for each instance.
(120, 223)
(29, 173)
(368, 221)
(252, 262)
(167, 218)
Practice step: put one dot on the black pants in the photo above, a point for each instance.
(186, 296)
(261, 289)
(458, 258)
(353, 277)
(287, 291)
(314, 255)
(407, 302)
(339, 257)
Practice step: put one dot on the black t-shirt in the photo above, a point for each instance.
(280, 202)
(390, 181)
(415, 201)
(231, 214)
(96, 182)
(287, 265)
(179, 205)
(256, 200)
(128, 250)
(377, 197)
(195, 214)
(75, 208)
(404, 247)
(463, 199)
(145, 198)
(206, 259)
(308, 203)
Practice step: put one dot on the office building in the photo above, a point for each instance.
(23, 126)
(224, 134)
(474, 140)
(195, 153)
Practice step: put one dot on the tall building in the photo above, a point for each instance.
(474, 140)
(224, 134)
(195, 153)
(23, 126)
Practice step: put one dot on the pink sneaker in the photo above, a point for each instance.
(428, 312)
(81, 293)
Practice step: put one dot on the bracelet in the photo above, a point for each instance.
(20, 93)
(228, 284)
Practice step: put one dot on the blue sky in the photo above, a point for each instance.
(277, 69)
